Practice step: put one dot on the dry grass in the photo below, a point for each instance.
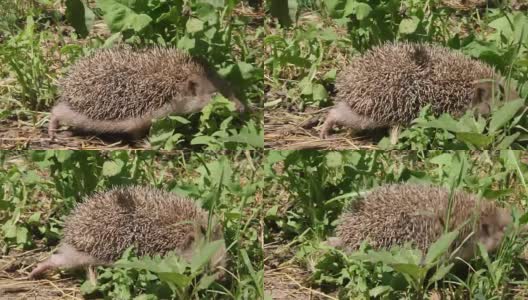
(283, 279)
(15, 285)
(21, 135)
(284, 130)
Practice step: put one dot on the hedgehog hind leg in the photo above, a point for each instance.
(343, 115)
(67, 257)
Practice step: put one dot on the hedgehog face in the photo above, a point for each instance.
(490, 233)
(493, 228)
(486, 93)
(202, 89)
(198, 239)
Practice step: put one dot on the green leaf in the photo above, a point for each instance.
(502, 116)
(80, 16)
(22, 235)
(246, 70)
(112, 168)
(330, 75)
(194, 25)
(88, 288)
(507, 141)
(333, 7)
(440, 247)
(440, 273)
(205, 282)
(200, 259)
(119, 17)
(319, 92)
(334, 159)
(186, 43)
(410, 269)
(362, 10)
(409, 25)
(202, 140)
(475, 139)
(177, 279)
(214, 3)
(445, 121)
(380, 290)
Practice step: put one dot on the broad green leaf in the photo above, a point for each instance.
(445, 121)
(502, 116)
(177, 279)
(334, 159)
(200, 259)
(362, 10)
(186, 43)
(439, 247)
(330, 75)
(119, 17)
(475, 139)
(88, 288)
(409, 25)
(440, 273)
(319, 92)
(202, 140)
(205, 282)
(333, 7)
(410, 269)
(380, 290)
(112, 168)
(507, 141)
(214, 3)
(22, 235)
(194, 25)
(246, 70)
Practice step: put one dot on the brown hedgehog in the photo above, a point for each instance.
(121, 90)
(394, 215)
(388, 85)
(151, 220)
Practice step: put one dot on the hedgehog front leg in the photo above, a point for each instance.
(343, 115)
(53, 126)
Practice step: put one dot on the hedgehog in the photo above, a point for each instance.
(388, 86)
(399, 214)
(120, 90)
(152, 221)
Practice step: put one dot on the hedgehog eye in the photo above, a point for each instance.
(485, 229)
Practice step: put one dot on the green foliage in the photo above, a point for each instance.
(217, 129)
(308, 190)
(323, 36)
(504, 129)
(39, 188)
(24, 55)
(209, 30)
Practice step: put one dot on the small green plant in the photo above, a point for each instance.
(505, 129)
(24, 55)
(156, 277)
